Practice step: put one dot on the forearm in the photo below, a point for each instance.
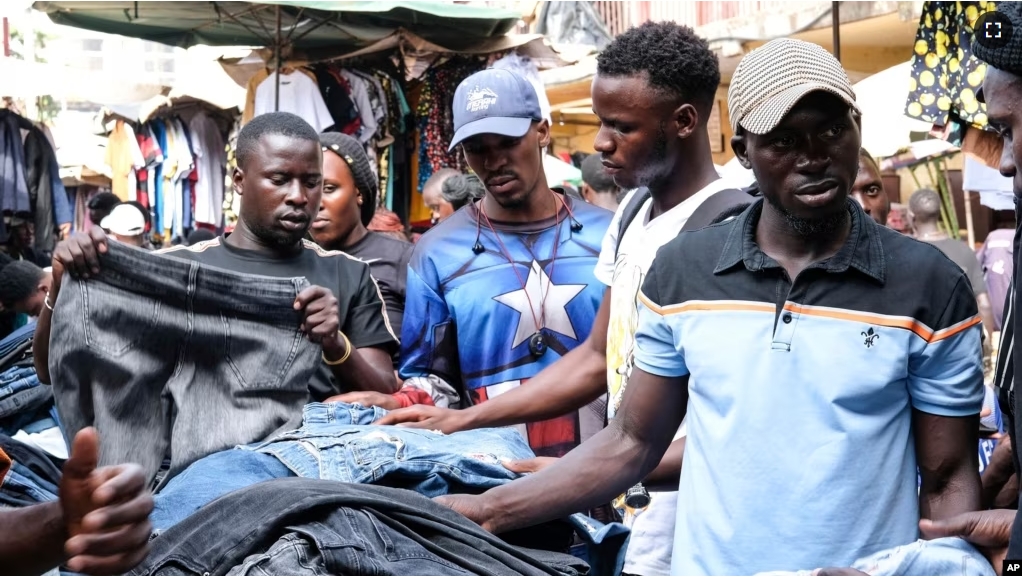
(950, 483)
(358, 373)
(579, 378)
(607, 465)
(33, 539)
(959, 493)
(667, 474)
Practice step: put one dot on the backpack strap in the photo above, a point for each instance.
(716, 204)
(629, 213)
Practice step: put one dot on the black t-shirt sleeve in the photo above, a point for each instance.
(366, 324)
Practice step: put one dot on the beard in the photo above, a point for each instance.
(811, 227)
(278, 237)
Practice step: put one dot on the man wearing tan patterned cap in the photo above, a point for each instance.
(819, 357)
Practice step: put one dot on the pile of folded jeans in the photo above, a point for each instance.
(33, 477)
(337, 442)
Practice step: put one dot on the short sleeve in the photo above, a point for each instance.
(945, 376)
(366, 324)
(656, 343)
(604, 271)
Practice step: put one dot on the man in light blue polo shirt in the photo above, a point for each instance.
(820, 358)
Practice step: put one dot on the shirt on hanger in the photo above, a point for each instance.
(299, 95)
(209, 148)
(123, 156)
(360, 95)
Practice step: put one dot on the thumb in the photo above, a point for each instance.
(960, 526)
(84, 454)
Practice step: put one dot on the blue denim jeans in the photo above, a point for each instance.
(209, 479)
(22, 487)
(16, 380)
(167, 356)
(336, 443)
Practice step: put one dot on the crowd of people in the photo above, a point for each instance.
(773, 379)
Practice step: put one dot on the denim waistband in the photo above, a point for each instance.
(169, 278)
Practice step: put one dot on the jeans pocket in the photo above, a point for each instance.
(116, 320)
(260, 355)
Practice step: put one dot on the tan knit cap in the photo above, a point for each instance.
(771, 79)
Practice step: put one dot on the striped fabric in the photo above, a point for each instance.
(771, 79)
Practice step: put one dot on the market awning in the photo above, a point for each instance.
(305, 25)
(532, 45)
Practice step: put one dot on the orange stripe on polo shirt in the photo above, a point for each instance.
(716, 306)
(955, 329)
(924, 332)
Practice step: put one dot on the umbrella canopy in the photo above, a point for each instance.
(305, 24)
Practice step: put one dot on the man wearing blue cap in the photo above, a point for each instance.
(504, 287)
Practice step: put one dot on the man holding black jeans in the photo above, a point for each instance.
(279, 176)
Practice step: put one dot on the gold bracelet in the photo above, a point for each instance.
(347, 353)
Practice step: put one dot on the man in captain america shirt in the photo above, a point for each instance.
(502, 289)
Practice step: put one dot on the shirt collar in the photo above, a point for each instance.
(863, 249)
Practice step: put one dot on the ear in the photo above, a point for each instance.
(687, 118)
(543, 132)
(238, 179)
(739, 145)
(358, 199)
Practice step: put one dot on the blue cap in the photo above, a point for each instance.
(494, 102)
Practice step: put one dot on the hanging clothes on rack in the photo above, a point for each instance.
(49, 198)
(299, 94)
(123, 157)
(209, 149)
(435, 121)
(336, 96)
(360, 95)
(14, 198)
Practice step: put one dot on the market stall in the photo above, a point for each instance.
(384, 72)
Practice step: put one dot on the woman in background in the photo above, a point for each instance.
(348, 206)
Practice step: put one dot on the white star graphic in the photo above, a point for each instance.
(557, 298)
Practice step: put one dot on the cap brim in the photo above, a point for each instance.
(769, 114)
(513, 127)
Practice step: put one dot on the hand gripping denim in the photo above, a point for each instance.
(350, 529)
(334, 443)
(167, 356)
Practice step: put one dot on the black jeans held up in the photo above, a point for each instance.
(167, 356)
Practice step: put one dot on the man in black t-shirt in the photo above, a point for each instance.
(279, 177)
